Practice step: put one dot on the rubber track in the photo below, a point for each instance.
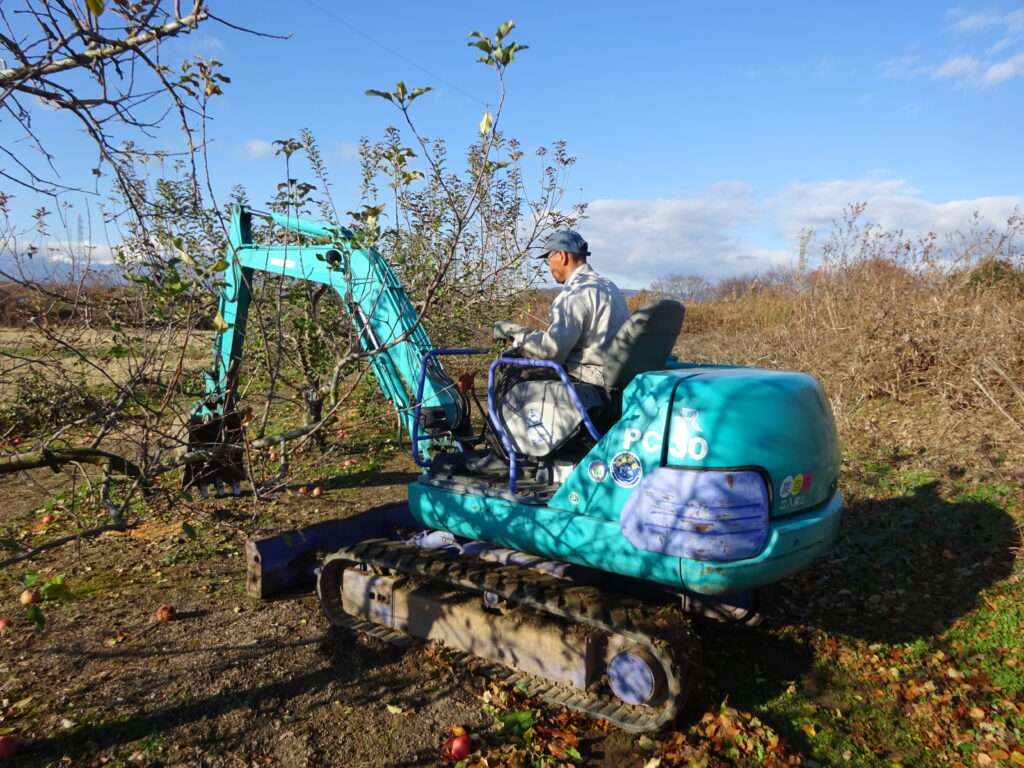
(669, 640)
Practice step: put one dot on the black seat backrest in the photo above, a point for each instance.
(643, 343)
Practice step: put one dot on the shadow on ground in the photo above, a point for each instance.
(902, 568)
(905, 567)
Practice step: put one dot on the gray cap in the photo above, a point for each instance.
(565, 240)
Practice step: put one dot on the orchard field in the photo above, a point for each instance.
(902, 647)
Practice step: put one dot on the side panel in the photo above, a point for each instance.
(572, 537)
(794, 543)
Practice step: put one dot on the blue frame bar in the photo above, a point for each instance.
(417, 438)
(528, 363)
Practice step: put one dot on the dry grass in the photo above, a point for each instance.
(916, 364)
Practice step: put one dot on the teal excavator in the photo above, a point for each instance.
(571, 564)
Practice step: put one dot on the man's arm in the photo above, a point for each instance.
(558, 340)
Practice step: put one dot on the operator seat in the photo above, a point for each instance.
(540, 418)
(643, 343)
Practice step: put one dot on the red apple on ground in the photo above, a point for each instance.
(166, 613)
(461, 747)
(30, 596)
(47, 519)
(5, 626)
(9, 746)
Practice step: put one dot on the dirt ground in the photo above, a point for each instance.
(232, 681)
(239, 682)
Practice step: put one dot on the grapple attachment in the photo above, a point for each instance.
(214, 434)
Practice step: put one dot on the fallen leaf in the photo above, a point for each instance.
(809, 729)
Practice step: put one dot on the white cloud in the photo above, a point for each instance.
(979, 38)
(258, 149)
(197, 44)
(635, 241)
(729, 230)
(1004, 70)
(959, 67)
(80, 254)
(903, 67)
(977, 22)
(890, 203)
(345, 152)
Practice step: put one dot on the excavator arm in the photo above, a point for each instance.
(386, 324)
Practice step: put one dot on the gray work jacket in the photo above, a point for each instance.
(583, 320)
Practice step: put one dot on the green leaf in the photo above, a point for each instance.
(56, 590)
(510, 51)
(505, 28)
(190, 531)
(28, 579)
(484, 45)
(95, 6)
(382, 94)
(516, 721)
(219, 324)
(220, 265)
(35, 615)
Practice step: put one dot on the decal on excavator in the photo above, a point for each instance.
(683, 443)
(626, 469)
(792, 487)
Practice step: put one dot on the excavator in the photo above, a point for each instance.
(565, 545)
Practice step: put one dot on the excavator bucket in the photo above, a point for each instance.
(222, 467)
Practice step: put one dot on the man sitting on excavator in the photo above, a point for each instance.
(583, 319)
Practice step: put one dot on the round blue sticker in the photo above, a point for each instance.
(626, 469)
(597, 470)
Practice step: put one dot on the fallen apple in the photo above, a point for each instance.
(273, 455)
(316, 491)
(30, 596)
(460, 746)
(5, 626)
(9, 746)
(303, 490)
(47, 519)
(166, 613)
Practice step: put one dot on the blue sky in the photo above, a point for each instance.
(707, 134)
